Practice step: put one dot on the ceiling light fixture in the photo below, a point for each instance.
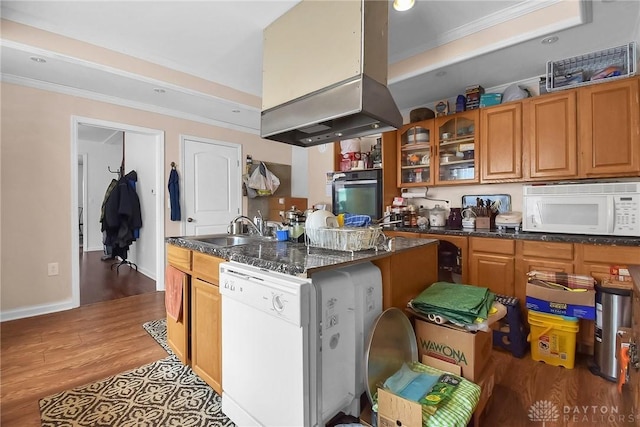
(38, 59)
(549, 40)
(402, 5)
(159, 90)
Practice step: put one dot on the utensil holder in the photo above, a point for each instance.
(483, 223)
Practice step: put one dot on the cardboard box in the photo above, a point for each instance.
(558, 301)
(396, 411)
(486, 382)
(471, 351)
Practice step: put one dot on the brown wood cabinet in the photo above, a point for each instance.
(550, 137)
(540, 256)
(196, 339)
(609, 123)
(178, 331)
(492, 264)
(206, 349)
(415, 147)
(406, 274)
(501, 143)
(206, 324)
(457, 148)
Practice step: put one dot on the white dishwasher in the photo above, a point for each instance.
(291, 350)
(268, 348)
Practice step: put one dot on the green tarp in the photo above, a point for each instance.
(461, 304)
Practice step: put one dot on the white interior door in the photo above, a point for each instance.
(212, 185)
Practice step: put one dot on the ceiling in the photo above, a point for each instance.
(436, 49)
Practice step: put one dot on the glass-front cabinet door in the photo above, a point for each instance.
(415, 163)
(457, 142)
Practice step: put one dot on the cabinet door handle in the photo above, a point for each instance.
(189, 219)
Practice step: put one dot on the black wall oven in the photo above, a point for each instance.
(358, 192)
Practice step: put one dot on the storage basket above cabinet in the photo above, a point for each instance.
(596, 67)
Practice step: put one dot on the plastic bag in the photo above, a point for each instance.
(263, 181)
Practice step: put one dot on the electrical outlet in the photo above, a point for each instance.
(52, 269)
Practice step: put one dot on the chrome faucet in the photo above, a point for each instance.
(251, 224)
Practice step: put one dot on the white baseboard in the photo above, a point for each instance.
(35, 310)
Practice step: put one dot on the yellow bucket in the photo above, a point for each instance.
(553, 338)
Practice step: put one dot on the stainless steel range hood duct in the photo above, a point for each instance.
(325, 73)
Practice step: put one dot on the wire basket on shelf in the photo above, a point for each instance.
(596, 67)
(348, 239)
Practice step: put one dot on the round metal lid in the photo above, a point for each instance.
(391, 344)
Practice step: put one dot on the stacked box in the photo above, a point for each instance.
(473, 94)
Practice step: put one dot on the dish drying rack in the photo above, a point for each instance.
(578, 70)
(346, 239)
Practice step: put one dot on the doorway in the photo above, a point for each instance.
(110, 150)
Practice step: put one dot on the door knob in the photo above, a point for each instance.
(189, 219)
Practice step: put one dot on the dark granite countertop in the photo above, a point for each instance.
(293, 258)
(525, 235)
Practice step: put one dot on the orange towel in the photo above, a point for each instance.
(173, 279)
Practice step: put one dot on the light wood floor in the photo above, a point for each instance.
(47, 354)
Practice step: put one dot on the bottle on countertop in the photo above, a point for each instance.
(413, 216)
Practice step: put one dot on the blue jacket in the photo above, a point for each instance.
(174, 194)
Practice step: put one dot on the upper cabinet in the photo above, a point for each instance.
(501, 136)
(609, 129)
(456, 151)
(550, 137)
(414, 143)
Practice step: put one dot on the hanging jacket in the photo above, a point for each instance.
(122, 215)
(174, 194)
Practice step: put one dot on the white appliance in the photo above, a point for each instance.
(608, 208)
(291, 348)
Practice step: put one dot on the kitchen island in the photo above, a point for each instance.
(195, 336)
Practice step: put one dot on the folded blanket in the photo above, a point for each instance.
(462, 304)
(458, 409)
(573, 281)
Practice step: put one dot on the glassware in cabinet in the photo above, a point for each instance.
(414, 154)
(456, 148)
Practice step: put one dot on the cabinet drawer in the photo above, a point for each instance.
(179, 257)
(207, 267)
(495, 246)
(547, 250)
(610, 254)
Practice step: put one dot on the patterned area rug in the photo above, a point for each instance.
(163, 393)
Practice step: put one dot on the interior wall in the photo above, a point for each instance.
(140, 156)
(100, 157)
(36, 136)
(319, 161)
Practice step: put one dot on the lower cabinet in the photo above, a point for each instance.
(197, 338)
(206, 333)
(540, 256)
(178, 330)
(492, 264)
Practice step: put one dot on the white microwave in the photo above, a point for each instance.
(607, 208)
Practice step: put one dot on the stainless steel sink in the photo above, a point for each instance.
(224, 240)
